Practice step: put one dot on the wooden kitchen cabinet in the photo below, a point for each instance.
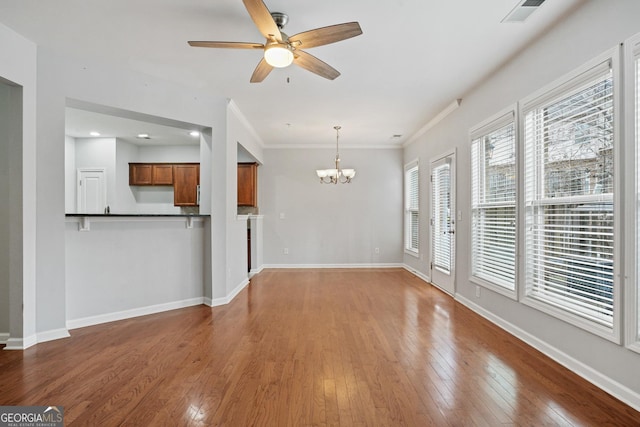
(186, 178)
(140, 174)
(162, 174)
(150, 174)
(248, 184)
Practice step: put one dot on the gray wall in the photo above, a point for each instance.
(70, 174)
(593, 29)
(10, 124)
(125, 201)
(331, 224)
(162, 258)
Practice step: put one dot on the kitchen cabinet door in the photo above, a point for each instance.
(162, 174)
(186, 178)
(140, 174)
(150, 174)
(248, 184)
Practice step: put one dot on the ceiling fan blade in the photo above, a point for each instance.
(263, 19)
(326, 35)
(261, 72)
(226, 45)
(313, 64)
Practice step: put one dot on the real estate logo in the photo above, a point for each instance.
(31, 416)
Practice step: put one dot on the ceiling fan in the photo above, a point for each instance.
(281, 50)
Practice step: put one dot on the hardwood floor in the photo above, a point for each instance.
(302, 348)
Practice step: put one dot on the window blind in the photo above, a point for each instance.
(493, 187)
(441, 220)
(569, 198)
(412, 209)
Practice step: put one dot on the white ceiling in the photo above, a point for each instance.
(79, 123)
(415, 57)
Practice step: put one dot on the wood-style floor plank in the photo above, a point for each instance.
(317, 347)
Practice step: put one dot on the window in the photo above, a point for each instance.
(569, 149)
(412, 208)
(493, 204)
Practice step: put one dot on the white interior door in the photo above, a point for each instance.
(91, 190)
(443, 223)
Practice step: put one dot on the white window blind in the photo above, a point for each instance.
(493, 187)
(412, 202)
(569, 175)
(441, 220)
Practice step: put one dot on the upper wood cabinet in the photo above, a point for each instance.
(150, 174)
(248, 184)
(186, 178)
(140, 174)
(162, 174)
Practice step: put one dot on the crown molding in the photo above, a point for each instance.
(437, 119)
(333, 146)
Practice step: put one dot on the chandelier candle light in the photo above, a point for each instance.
(333, 176)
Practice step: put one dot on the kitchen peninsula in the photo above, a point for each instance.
(165, 257)
(133, 209)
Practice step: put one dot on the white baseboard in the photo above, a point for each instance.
(255, 271)
(52, 335)
(21, 343)
(127, 314)
(417, 273)
(381, 265)
(226, 300)
(614, 388)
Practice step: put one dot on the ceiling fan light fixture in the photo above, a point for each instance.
(278, 55)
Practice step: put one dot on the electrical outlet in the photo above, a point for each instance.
(285, 251)
(376, 250)
(282, 215)
(477, 291)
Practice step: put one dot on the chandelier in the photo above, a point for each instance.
(333, 176)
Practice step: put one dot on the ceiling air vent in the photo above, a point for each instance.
(523, 9)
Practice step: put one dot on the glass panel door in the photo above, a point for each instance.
(443, 223)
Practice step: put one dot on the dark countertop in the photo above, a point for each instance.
(71, 215)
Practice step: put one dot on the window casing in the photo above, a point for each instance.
(570, 228)
(412, 209)
(632, 162)
(493, 204)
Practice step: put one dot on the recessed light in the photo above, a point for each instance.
(194, 133)
(94, 133)
(144, 136)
